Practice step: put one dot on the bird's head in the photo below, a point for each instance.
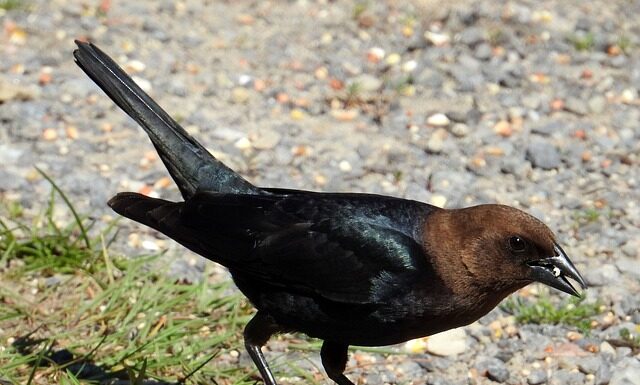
(505, 247)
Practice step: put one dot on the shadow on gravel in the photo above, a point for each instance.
(82, 367)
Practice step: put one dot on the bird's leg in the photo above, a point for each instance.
(334, 360)
(256, 334)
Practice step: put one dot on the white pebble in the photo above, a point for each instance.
(409, 66)
(377, 53)
(243, 143)
(150, 245)
(438, 120)
(437, 39)
(136, 65)
(345, 166)
(448, 343)
(438, 200)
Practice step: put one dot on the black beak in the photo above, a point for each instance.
(553, 271)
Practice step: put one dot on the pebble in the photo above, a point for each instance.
(240, 95)
(266, 139)
(483, 51)
(627, 372)
(495, 369)
(537, 377)
(437, 39)
(629, 266)
(438, 120)
(435, 144)
(460, 130)
(365, 83)
(543, 155)
(577, 106)
(345, 166)
(448, 343)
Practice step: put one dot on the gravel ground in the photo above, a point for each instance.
(526, 103)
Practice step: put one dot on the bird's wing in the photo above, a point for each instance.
(344, 247)
(349, 248)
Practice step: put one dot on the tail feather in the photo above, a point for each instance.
(151, 212)
(167, 218)
(191, 166)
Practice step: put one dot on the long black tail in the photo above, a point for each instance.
(189, 163)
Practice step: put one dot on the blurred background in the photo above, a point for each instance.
(533, 104)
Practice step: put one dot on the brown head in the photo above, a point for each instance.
(499, 246)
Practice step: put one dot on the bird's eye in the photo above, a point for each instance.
(517, 244)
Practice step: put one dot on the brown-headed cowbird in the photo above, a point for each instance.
(350, 269)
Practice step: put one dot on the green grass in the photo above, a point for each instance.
(124, 315)
(359, 8)
(575, 312)
(625, 44)
(630, 339)
(583, 42)
(8, 5)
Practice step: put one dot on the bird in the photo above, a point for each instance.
(347, 268)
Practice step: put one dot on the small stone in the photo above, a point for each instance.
(12, 91)
(629, 95)
(537, 377)
(494, 369)
(345, 115)
(409, 66)
(297, 114)
(566, 377)
(266, 140)
(418, 345)
(483, 51)
(438, 120)
(503, 128)
(321, 73)
(543, 155)
(471, 36)
(345, 166)
(375, 54)
(577, 106)
(50, 134)
(393, 59)
(603, 374)
(597, 104)
(606, 348)
(243, 143)
(629, 266)
(134, 66)
(627, 372)
(438, 200)
(72, 132)
(498, 372)
(589, 365)
(365, 83)
(150, 245)
(435, 144)
(448, 343)
(240, 95)
(460, 130)
(437, 39)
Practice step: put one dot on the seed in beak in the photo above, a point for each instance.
(556, 271)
